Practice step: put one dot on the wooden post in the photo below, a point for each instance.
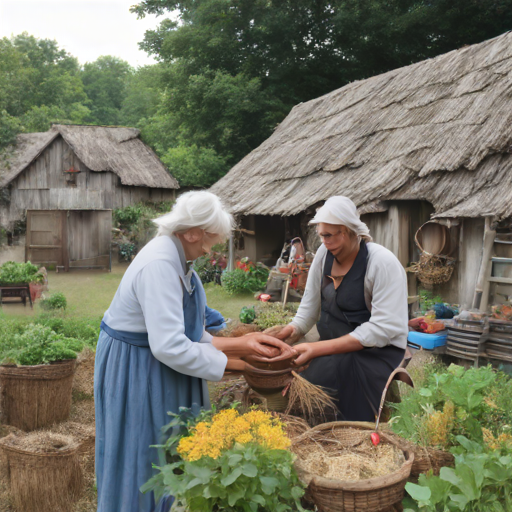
(231, 259)
(488, 244)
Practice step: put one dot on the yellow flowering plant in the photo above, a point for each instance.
(229, 462)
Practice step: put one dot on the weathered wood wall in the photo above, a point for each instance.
(43, 186)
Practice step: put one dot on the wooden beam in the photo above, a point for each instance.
(502, 280)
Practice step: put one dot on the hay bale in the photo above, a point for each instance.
(83, 383)
(44, 471)
(36, 396)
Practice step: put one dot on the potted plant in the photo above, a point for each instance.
(36, 377)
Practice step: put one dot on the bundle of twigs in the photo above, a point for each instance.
(309, 401)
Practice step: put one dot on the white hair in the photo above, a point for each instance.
(197, 209)
(340, 210)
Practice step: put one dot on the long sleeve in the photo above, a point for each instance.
(159, 292)
(309, 309)
(389, 315)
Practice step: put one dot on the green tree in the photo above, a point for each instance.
(235, 68)
(105, 84)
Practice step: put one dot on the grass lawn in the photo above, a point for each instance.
(90, 292)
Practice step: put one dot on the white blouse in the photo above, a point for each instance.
(385, 292)
(150, 299)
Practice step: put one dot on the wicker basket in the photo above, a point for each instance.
(426, 459)
(46, 482)
(371, 495)
(38, 396)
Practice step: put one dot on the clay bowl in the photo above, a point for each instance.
(283, 364)
(267, 382)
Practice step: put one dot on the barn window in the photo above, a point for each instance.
(71, 175)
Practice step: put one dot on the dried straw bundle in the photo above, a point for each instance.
(309, 401)
(346, 455)
(36, 396)
(44, 469)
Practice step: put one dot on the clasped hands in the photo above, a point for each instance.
(271, 346)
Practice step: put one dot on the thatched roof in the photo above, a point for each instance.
(100, 148)
(439, 130)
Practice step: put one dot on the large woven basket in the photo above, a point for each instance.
(46, 482)
(370, 495)
(38, 396)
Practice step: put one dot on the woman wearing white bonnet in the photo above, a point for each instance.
(357, 294)
(154, 355)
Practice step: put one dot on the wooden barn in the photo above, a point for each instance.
(427, 142)
(65, 183)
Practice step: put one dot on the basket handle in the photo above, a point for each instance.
(398, 374)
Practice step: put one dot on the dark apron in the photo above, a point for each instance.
(356, 379)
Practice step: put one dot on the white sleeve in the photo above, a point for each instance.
(309, 309)
(389, 312)
(159, 292)
(206, 337)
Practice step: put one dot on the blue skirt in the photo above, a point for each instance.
(133, 393)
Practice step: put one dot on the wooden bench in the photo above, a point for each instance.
(21, 291)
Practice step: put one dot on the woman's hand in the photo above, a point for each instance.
(306, 353)
(288, 333)
(262, 347)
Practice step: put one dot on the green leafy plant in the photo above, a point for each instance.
(127, 250)
(55, 301)
(19, 273)
(246, 278)
(246, 477)
(247, 315)
(136, 227)
(428, 300)
(480, 482)
(210, 267)
(451, 403)
(37, 344)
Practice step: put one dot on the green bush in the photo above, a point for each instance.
(18, 273)
(55, 301)
(455, 402)
(480, 482)
(247, 277)
(37, 344)
(135, 223)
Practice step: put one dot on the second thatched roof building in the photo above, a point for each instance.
(428, 141)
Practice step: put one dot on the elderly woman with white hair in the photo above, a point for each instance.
(154, 355)
(356, 292)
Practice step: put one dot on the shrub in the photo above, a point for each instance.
(38, 344)
(246, 278)
(229, 462)
(55, 301)
(17, 273)
(210, 267)
(480, 482)
(135, 223)
(455, 402)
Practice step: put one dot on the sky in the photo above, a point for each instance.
(86, 29)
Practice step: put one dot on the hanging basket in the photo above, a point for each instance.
(436, 262)
(44, 471)
(37, 396)
(376, 494)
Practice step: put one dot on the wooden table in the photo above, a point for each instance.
(22, 291)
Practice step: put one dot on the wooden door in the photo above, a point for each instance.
(89, 237)
(46, 238)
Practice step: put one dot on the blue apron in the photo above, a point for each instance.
(133, 392)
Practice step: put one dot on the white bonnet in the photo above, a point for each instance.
(340, 210)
